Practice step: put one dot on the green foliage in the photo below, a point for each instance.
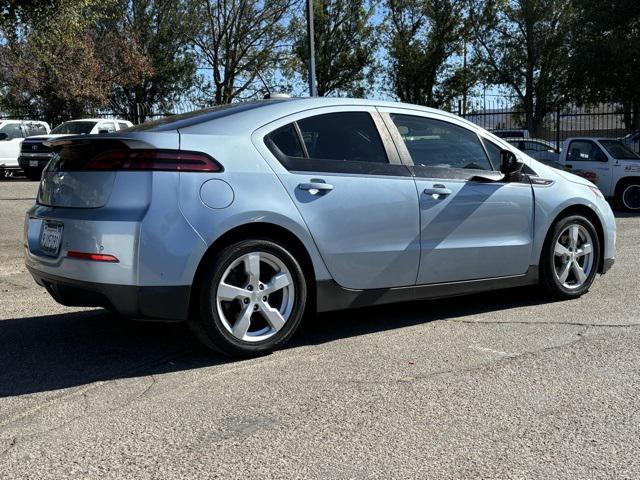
(524, 46)
(162, 30)
(345, 46)
(70, 70)
(422, 37)
(605, 60)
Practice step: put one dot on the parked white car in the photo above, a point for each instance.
(34, 154)
(541, 150)
(608, 163)
(12, 132)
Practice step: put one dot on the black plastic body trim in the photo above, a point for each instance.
(331, 296)
(165, 303)
(607, 264)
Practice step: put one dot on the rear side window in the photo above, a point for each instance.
(345, 142)
(122, 125)
(435, 143)
(350, 136)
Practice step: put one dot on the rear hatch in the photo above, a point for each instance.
(83, 171)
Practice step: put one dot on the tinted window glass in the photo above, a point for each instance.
(585, 151)
(36, 129)
(434, 143)
(350, 136)
(106, 126)
(287, 141)
(12, 130)
(75, 128)
(619, 150)
(122, 125)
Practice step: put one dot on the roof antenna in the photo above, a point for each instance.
(266, 87)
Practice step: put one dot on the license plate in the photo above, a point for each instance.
(50, 237)
(33, 163)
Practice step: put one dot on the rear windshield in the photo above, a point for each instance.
(619, 150)
(75, 128)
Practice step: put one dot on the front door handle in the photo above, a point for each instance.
(316, 186)
(437, 191)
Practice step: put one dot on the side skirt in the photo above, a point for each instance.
(332, 296)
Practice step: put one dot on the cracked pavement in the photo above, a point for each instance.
(500, 385)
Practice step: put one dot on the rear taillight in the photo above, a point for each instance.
(95, 257)
(153, 160)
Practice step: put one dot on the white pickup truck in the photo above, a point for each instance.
(608, 163)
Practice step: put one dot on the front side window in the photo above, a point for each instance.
(74, 128)
(585, 151)
(12, 130)
(435, 143)
(619, 150)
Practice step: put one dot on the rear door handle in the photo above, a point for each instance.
(316, 186)
(437, 189)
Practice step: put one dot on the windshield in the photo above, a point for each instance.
(619, 150)
(75, 128)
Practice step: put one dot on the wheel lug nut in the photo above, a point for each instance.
(250, 287)
(261, 287)
(264, 299)
(255, 307)
(246, 300)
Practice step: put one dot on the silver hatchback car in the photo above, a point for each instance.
(240, 219)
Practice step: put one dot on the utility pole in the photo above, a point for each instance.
(313, 89)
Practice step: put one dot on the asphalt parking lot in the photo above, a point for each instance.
(499, 385)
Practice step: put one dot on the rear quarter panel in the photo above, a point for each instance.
(258, 196)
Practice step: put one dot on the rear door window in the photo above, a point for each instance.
(344, 142)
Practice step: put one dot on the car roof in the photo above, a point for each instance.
(94, 120)
(261, 112)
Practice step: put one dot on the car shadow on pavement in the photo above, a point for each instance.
(66, 350)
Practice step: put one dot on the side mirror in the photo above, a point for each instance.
(3, 136)
(509, 166)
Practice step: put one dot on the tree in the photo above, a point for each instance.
(605, 60)
(238, 39)
(523, 45)
(67, 71)
(422, 38)
(162, 31)
(345, 46)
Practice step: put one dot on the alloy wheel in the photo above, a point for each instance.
(255, 296)
(573, 256)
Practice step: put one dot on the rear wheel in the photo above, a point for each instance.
(570, 258)
(629, 196)
(252, 299)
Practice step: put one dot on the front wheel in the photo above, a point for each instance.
(570, 258)
(252, 299)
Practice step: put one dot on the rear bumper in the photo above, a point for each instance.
(163, 303)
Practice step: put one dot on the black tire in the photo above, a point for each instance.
(207, 324)
(628, 196)
(548, 277)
